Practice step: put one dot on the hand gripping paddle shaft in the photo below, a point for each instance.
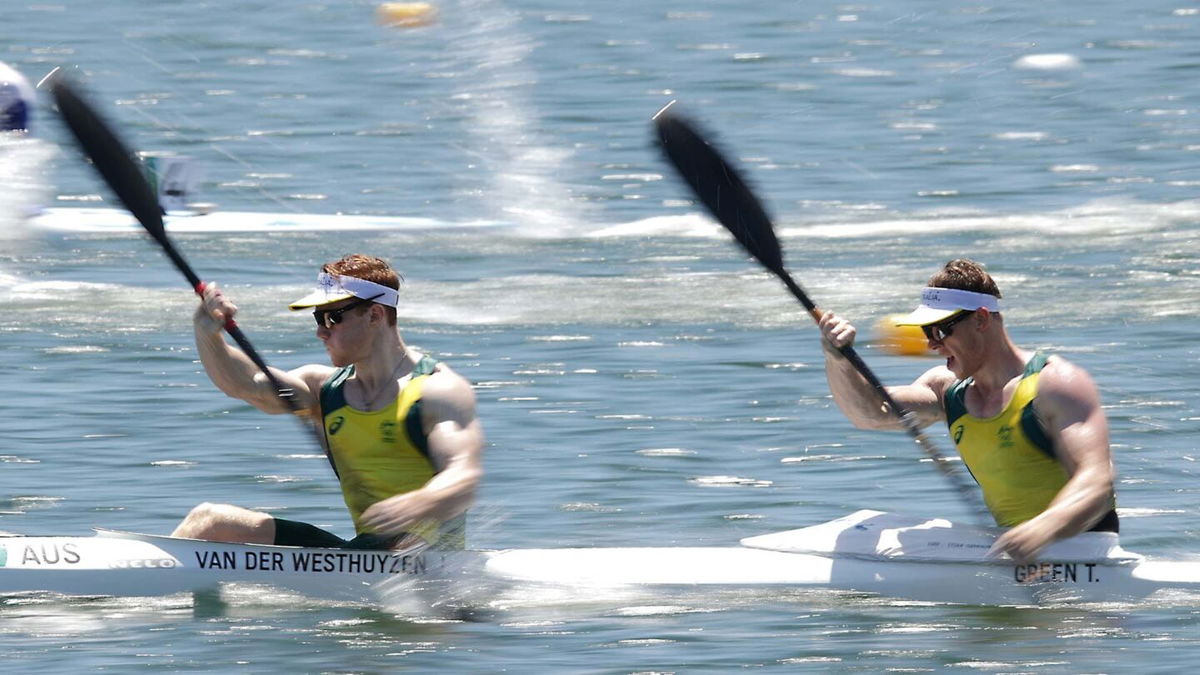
(719, 187)
(115, 163)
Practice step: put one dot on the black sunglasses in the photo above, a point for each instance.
(328, 318)
(940, 331)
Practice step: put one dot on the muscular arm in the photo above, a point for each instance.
(235, 374)
(1069, 405)
(859, 401)
(456, 448)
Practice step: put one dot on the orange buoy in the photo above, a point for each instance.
(901, 340)
(405, 14)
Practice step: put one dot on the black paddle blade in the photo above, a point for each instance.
(116, 164)
(110, 156)
(719, 187)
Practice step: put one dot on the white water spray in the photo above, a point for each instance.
(521, 164)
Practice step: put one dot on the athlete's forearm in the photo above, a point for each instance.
(233, 372)
(445, 496)
(854, 396)
(1076, 509)
(1080, 504)
(452, 491)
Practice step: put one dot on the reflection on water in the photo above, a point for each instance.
(641, 382)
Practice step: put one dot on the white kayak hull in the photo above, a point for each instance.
(866, 552)
(951, 582)
(870, 552)
(127, 564)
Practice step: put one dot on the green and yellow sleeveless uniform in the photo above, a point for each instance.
(381, 454)
(1010, 455)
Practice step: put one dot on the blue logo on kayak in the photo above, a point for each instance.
(3, 556)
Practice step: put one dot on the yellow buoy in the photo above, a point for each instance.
(405, 14)
(901, 340)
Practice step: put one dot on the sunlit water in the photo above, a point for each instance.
(641, 382)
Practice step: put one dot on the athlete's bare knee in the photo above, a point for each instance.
(225, 522)
(203, 511)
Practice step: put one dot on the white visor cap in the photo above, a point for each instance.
(938, 304)
(334, 287)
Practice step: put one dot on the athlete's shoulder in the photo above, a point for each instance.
(444, 379)
(1058, 368)
(1062, 381)
(314, 372)
(445, 389)
(937, 379)
(314, 376)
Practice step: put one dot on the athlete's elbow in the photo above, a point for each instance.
(271, 404)
(235, 390)
(869, 422)
(470, 480)
(1099, 479)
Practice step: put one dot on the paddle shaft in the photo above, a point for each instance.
(286, 394)
(721, 189)
(113, 160)
(906, 418)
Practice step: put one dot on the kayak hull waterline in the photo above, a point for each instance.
(866, 552)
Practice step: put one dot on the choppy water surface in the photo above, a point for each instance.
(640, 381)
